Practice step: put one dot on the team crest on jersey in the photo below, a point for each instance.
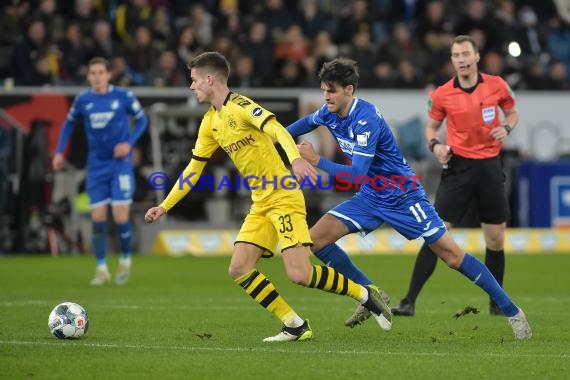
(256, 112)
(488, 114)
(232, 123)
(114, 104)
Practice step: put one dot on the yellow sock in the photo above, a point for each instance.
(329, 280)
(263, 292)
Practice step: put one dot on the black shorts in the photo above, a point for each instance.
(468, 180)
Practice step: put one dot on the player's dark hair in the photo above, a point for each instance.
(340, 70)
(100, 60)
(211, 60)
(464, 38)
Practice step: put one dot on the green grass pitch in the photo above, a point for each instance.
(184, 318)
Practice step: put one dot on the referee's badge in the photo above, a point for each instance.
(488, 114)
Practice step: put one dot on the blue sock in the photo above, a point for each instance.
(125, 239)
(100, 241)
(477, 272)
(333, 256)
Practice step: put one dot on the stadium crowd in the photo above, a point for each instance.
(277, 43)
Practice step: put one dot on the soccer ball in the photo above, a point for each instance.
(68, 320)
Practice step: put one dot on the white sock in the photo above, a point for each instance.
(125, 260)
(363, 294)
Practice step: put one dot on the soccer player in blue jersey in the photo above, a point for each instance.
(106, 113)
(365, 137)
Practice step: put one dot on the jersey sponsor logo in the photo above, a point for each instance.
(256, 112)
(488, 114)
(362, 139)
(99, 120)
(241, 143)
(346, 146)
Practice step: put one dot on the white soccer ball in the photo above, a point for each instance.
(68, 320)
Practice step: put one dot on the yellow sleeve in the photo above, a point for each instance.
(274, 129)
(205, 147)
(184, 184)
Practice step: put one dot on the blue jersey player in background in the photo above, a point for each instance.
(106, 112)
(389, 192)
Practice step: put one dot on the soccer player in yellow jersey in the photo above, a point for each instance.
(246, 132)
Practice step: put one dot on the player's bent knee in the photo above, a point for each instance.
(236, 271)
(298, 276)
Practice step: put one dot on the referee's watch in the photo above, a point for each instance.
(508, 128)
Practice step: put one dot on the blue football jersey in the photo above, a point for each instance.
(365, 137)
(106, 118)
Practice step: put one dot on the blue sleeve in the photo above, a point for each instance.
(141, 121)
(302, 126)
(68, 126)
(367, 132)
(140, 125)
(359, 167)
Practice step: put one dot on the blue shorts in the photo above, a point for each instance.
(413, 217)
(116, 187)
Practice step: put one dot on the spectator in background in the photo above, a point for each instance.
(259, 47)
(229, 17)
(140, 54)
(72, 55)
(223, 43)
(323, 48)
(54, 22)
(203, 23)
(290, 75)
(185, 45)
(558, 76)
(278, 18)
(166, 72)
(85, 15)
(25, 53)
(102, 44)
(530, 36)
(160, 28)
(435, 33)
(383, 75)
(121, 74)
(312, 20)
(359, 19)
(535, 76)
(558, 40)
(243, 75)
(402, 45)
(361, 50)
(493, 64)
(477, 16)
(407, 76)
(129, 17)
(292, 45)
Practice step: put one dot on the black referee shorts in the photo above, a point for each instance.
(466, 180)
